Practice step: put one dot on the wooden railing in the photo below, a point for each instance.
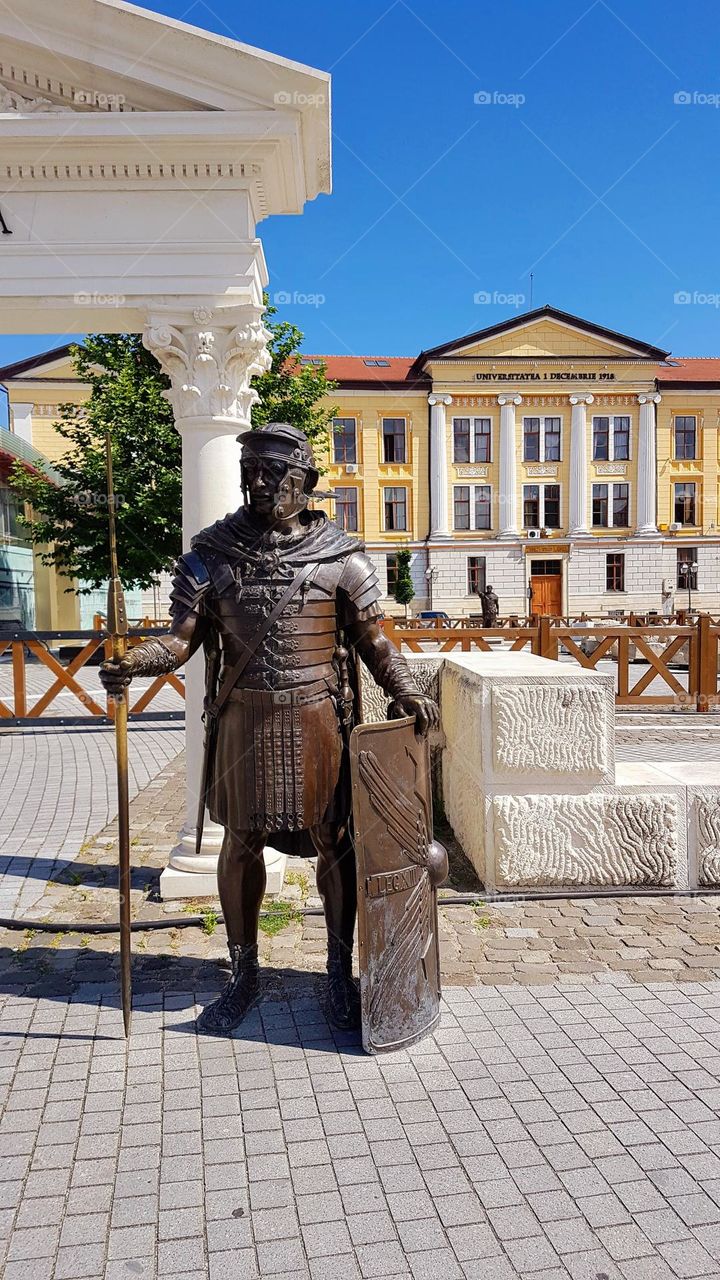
(27, 649)
(694, 647)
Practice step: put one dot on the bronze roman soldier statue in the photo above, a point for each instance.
(282, 601)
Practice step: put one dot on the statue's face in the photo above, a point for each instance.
(273, 487)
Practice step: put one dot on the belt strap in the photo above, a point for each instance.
(236, 671)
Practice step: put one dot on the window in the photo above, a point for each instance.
(461, 439)
(531, 439)
(476, 431)
(600, 505)
(10, 509)
(531, 506)
(552, 439)
(621, 439)
(346, 509)
(483, 516)
(395, 503)
(601, 439)
(611, 506)
(344, 440)
(685, 435)
(611, 439)
(481, 431)
(686, 558)
(472, 506)
(392, 572)
(685, 503)
(541, 506)
(461, 513)
(476, 575)
(541, 439)
(615, 572)
(393, 439)
(374, 360)
(621, 506)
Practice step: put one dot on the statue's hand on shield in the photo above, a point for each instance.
(425, 711)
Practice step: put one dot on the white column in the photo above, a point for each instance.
(578, 520)
(507, 519)
(210, 357)
(439, 496)
(21, 420)
(646, 483)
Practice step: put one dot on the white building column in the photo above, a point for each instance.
(209, 357)
(578, 517)
(507, 506)
(647, 469)
(439, 495)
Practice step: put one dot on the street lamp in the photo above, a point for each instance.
(430, 574)
(688, 573)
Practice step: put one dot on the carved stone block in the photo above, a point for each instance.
(704, 821)
(617, 838)
(547, 728)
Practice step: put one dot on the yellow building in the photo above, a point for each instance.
(571, 467)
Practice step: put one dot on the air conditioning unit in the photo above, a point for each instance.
(533, 534)
(675, 527)
(351, 468)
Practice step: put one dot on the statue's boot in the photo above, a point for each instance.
(342, 1003)
(227, 1012)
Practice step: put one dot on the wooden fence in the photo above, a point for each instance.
(693, 646)
(27, 649)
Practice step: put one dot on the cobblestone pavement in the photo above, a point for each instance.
(58, 789)
(568, 1131)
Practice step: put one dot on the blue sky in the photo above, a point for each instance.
(599, 181)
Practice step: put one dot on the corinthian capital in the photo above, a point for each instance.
(210, 362)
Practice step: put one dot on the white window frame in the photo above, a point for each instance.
(384, 489)
(472, 419)
(543, 419)
(393, 417)
(696, 417)
(542, 485)
(473, 526)
(611, 437)
(346, 417)
(610, 486)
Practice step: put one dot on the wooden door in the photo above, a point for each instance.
(546, 594)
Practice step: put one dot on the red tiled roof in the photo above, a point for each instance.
(689, 369)
(355, 371)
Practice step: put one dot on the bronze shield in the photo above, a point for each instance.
(398, 869)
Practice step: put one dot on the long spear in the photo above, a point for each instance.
(117, 625)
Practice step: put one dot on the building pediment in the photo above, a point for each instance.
(544, 334)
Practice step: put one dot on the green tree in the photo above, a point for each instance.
(291, 391)
(126, 398)
(404, 590)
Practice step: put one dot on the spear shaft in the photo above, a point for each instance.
(117, 626)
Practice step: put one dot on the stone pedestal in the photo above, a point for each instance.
(530, 786)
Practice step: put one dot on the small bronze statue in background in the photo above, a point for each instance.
(282, 601)
(490, 606)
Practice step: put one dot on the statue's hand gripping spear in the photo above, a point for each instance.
(117, 625)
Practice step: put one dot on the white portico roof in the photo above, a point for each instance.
(137, 155)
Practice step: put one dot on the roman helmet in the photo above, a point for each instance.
(281, 442)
